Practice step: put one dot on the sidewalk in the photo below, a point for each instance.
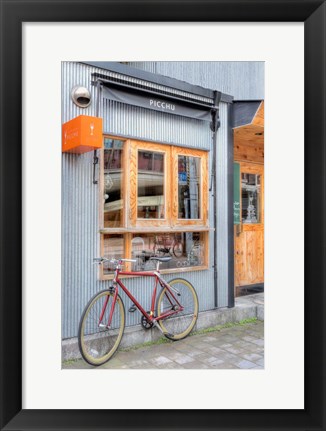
(237, 347)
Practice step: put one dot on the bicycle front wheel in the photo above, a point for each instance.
(98, 341)
(178, 325)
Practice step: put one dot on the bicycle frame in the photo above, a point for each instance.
(150, 317)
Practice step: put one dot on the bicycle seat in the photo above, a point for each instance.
(161, 259)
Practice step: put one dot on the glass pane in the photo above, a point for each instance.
(188, 187)
(150, 201)
(113, 199)
(113, 249)
(186, 250)
(250, 192)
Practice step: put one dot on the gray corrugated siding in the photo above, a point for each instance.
(143, 123)
(80, 225)
(244, 80)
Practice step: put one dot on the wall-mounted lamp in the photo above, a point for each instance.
(81, 96)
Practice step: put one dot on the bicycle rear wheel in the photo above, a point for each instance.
(97, 342)
(179, 325)
(177, 249)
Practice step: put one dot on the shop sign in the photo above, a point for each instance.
(236, 193)
(82, 134)
(156, 103)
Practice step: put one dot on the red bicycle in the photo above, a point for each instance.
(174, 312)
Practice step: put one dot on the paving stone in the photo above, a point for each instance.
(194, 352)
(228, 357)
(245, 364)
(199, 345)
(204, 357)
(235, 350)
(215, 350)
(209, 360)
(138, 363)
(178, 357)
(225, 346)
(259, 342)
(146, 367)
(171, 366)
(240, 344)
(160, 360)
(253, 357)
(254, 348)
(225, 366)
(114, 363)
(248, 338)
(260, 362)
(214, 363)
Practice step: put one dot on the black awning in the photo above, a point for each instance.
(156, 102)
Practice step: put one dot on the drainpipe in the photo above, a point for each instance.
(95, 157)
(215, 124)
(230, 192)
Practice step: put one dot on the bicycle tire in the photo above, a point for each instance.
(177, 249)
(97, 345)
(179, 326)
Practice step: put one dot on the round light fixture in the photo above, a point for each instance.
(81, 96)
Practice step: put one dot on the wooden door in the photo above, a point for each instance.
(249, 234)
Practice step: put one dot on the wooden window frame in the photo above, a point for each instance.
(128, 249)
(203, 156)
(170, 224)
(135, 147)
(124, 184)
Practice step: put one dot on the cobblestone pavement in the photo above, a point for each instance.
(238, 347)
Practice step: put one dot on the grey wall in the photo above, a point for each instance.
(80, 225)
(244, 80)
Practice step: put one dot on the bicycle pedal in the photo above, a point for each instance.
(132, 308)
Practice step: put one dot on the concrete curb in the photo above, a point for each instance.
(245, 308)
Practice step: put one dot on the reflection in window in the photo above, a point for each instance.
(186, 249)
(113, 249)
(113, 199)
(250, 192)
(150, 201)
(188, 187)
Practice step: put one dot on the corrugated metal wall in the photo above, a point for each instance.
(244, 80)
(80, 225)
(157, 126)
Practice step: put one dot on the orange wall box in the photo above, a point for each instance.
(82, 134)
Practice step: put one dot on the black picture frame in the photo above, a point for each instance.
(13, 14)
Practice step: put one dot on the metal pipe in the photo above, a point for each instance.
(230, 192)
(215, 124)
(98, 100)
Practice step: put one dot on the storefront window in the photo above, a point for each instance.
(156, 204)
(113, 171)
(188, 187)
(150, 187)
(250, 191)
(186, 250)
(113, 249)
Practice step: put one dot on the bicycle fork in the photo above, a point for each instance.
(108, 326)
